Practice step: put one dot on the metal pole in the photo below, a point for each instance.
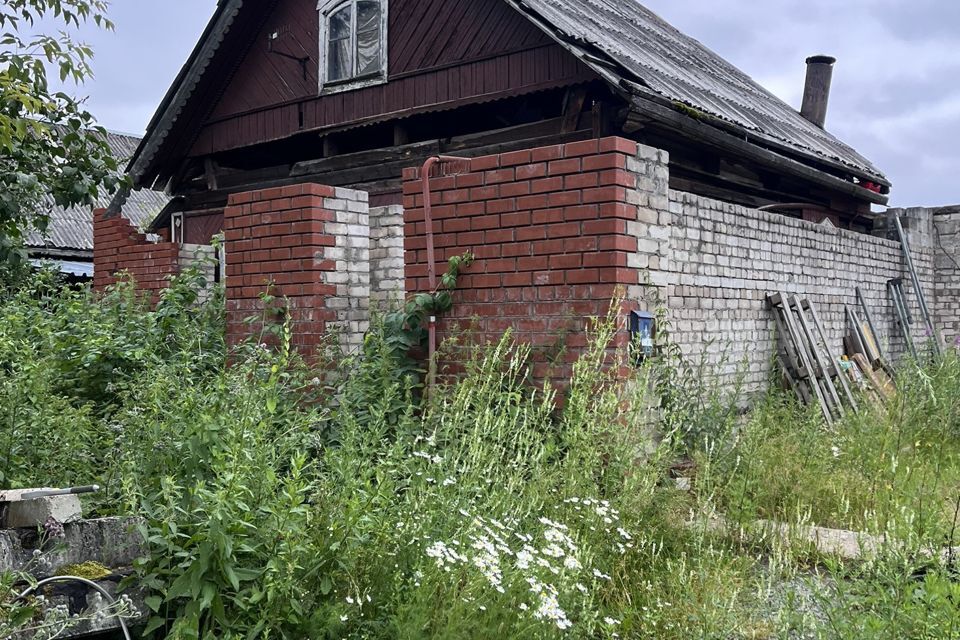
(921, 298)
(50, 493)
(896, 292)
(93, 585)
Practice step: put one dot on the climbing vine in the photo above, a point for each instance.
(406, 329)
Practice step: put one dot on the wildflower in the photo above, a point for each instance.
(836, 451)
(600, 575)
(549, 609)
(350, 600)
(523, 606)
(444, 555)
(344, 618)
(53, 529)
(550, 523)
(610, 621)
(524, 558)
(571, 563)
(449, 481)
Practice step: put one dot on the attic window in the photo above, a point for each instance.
(352, 44)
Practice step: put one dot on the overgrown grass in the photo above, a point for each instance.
(890, 470)
(282, 502)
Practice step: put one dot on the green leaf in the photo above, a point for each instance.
(232, 577)
(155, 623)
(20, 616)
(183, 587)
(154, 602)
(326, 585)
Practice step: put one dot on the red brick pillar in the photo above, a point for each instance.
(555, 234)
(289, 242)
(119, 248)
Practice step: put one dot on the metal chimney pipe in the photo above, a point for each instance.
(816, 92)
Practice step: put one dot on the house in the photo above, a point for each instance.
(348, 93)
(579, 149)
(68, 240)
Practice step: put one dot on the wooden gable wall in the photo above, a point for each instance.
(442, 53)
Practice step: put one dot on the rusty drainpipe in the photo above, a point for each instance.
(431, 261)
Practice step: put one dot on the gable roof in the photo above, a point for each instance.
(633, 49)
(71, 229)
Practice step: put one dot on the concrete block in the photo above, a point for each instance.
(18, 514)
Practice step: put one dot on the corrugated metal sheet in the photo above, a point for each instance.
(69, 267)
(646, 48)
(72, 229)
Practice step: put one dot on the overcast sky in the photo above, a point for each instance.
(896, 91)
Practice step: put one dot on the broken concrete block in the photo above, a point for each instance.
(16, 513)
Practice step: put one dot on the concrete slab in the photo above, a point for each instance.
(18, 514)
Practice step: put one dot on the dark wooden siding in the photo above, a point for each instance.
(198, 229)
(441, 53)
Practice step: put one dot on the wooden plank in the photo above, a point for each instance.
(834, 360)
(367, 166)
(856, 340)
(786, 358)
(795, 334)
(210, 171)
(572, 107)
(362, 158)
(825, 368)
(869, 318)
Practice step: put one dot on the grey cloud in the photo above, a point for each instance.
(895, 94)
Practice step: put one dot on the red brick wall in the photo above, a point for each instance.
(118, 247)
(550, 229)
(275, 242)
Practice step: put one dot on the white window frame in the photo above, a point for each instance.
(327, 8)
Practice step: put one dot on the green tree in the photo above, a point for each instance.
(51, 150)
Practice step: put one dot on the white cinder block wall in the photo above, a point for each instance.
(724, 259)
(386, 255)
(945, 223)
(351, 253)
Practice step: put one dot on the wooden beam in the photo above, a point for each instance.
(401, 135)
(573, 102)
(330, 147)
(365, 158)
(377, 166)
(530, 130)
(717, 138)
(210, 170)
